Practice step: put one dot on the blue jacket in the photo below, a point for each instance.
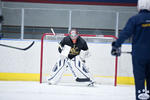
(138, 27)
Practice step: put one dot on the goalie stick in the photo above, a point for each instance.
(18, 48)
(126, 52)
(87, 79)
(53, 31)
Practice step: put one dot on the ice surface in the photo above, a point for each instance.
(16, 90)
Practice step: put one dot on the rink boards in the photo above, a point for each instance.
(25, 65)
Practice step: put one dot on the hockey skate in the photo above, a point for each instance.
(51, 83)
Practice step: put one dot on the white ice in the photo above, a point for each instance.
(16, 90)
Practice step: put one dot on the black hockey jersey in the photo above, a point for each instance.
(75, 48)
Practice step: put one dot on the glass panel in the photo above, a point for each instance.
(11, 26)
(38, 21)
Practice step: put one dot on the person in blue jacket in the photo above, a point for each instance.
(1, 20)
(138, 27)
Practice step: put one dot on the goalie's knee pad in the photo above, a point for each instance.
(60, 63)
(81, 65)
(85, 69)
(82, 68)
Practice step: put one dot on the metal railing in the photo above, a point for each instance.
(83, 19)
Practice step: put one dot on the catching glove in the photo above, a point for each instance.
(116, 51)
(84, 54)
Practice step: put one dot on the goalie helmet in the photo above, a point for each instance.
(73, 35)
(143, 4)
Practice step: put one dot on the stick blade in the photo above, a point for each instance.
(18, 48)
(29, 46)
(83, 79)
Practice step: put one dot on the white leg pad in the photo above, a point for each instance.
(57, 72)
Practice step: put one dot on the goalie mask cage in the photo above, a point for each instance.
(101, 64)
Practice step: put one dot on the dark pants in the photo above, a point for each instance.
(1, 35)
(141, 71)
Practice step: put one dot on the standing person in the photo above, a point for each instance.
(138, 26)
(75, 60)
(1, 20)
